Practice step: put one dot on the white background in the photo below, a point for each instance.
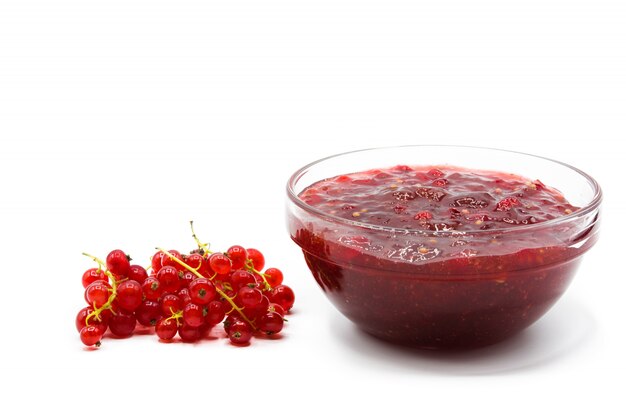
(122, 120)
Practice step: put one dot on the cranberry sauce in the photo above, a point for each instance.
(438, 256)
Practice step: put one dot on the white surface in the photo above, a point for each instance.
(122, 120)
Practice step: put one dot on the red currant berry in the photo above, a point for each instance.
(194, 260)
(129, 295)
(97, 293)
(241, 278)
(157, 261)
(118, 263)
(240, 333)
(183, 293)
(257, 258)
(216, 311)
(170, 304)
(166, 329)
(249, 297)
(193, 315)
(237, 255)
(168, 261)
(230, 319)
(81, 319)
(283, 296)
(137, 273)
(202, 291)
(220, 263)
(168, 277)
(274, 277)
(94, 274)
(186, 278)
(152, 289)
(271, 323)
(122, 324)
(257, 310)
(189, 334)
(91, 335)
(148, 313)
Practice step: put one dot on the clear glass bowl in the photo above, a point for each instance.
(444, 303)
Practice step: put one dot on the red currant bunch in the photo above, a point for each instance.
(184, 295)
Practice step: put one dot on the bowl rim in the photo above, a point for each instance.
(591, 206)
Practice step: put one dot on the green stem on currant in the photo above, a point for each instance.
(204, 247)
(250, 267)
(218, 290)
(96, 311)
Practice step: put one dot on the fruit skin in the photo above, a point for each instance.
(189, 334)
(166, 329)
(122, 324)
(91, 336)
(168, 277)
(129, 295)
(118, 263)
(220, 263)
(202, 291)
(239, 333)
(93, 274)
(271, 323)
(97, 293)
(237, 255)
(148, 313)
(283, 296)
(137, 273)
(273, 276)
(193, 315)
(257, 258)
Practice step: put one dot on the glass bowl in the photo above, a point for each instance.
(466, 300)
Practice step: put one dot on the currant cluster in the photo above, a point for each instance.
(184, 295)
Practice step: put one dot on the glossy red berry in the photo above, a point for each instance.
(157, 261)
(170, 304)
(94, 274)
(118, 263)
(168, 277)
(216, 311)
(237, 255)
(152, 289)
(202, 291)
(241, 278)
(220, 263)
(137, 273)
(270, 323)
(97, 293)
(273, 276)
(148, 313)
(240, 333)
(129, 295)
(91, 336)
(166, 329)
(189, 334)
(283, 296)
(122, 324)
(193, 315)
(170, 260)
(194, 260)
(257, 258)
(249, 297)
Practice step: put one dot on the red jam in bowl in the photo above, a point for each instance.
(439, 256)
